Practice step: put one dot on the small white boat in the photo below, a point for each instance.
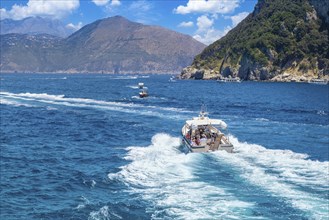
(172, 79)
(318, 81)
(140, 85)
(143, 93)
(202, 135)
(235, 79)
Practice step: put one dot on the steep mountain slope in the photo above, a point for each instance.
(28, 53)
(112, 45)
(283, 40)
(119, 45)
(34, 25)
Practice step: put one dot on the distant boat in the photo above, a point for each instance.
(201, 134)
(319, 81)
(141, 85)
(172, 79)
(235, 79)
(143, 93)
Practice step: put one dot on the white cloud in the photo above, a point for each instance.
(186, 24)
(211, 35)
(206, 33)
(142, 11)
(100, 2)
(207, 6)
(204, 23)
(105, 2)
(74, 27)
(3, 13)
(141, 5)
(239, 17)
(115, 3)
(44, 8)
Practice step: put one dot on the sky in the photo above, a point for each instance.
(204, 20)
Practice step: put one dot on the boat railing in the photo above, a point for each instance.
(225, 140)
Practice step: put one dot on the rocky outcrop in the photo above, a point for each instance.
(282, 40)
(193, 73)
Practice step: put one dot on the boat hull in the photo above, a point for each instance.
(319, 82)
(142, 95)
(236, 80)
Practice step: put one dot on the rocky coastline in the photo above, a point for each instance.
(191, 72)
(280, 41)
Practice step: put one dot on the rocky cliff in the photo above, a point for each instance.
(111, 45)
(282, 40)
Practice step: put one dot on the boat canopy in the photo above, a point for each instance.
(206, 121)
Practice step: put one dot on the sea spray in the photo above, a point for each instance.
(284, 173)
(163, 175)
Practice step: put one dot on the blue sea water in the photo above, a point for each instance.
(87, 147)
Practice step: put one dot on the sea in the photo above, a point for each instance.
(85, 146)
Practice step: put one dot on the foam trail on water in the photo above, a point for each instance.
(283, 173)
(52, 78)
(262, 119)
(14, 103)
(133, 87)
(125, 77)
(92, 103)
(163, 175)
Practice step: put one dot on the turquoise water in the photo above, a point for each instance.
(87, 147)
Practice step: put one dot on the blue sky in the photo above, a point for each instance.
(205, 20)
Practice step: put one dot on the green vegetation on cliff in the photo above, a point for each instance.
(279, 36)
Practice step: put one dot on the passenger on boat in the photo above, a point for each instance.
(197, 140)
(201, 131)
(212, 137)
(203, 140)
(188, 136)
(193, 142)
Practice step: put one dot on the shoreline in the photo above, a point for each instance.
(101, 73)
(279, 78)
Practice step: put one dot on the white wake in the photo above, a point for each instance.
(31, 99)
(284, 174)
(163, 175)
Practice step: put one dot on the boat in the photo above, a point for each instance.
(140, 85)
(201, 134)
(319, 81)
(172, 79)
(235, 79)
(143, 93)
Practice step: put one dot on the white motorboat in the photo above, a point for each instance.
(172, 79)
(143, 93)
(319, 81)
(201, 134)
(140, 85)
(235, 79)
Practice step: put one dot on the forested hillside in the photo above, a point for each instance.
(280, 40)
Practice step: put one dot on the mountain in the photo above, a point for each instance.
(33, 26)
(111, 45)
(281, 40)
(28, 53)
